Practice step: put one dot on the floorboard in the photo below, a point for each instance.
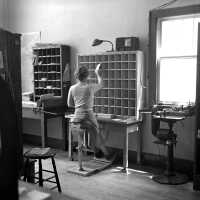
(113, 184)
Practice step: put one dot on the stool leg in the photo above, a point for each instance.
(84, 140)
(30, 171)
(70, 141)
(56, 174)
(80, 150)
(26, 170)
(88, 140)
(40, 172)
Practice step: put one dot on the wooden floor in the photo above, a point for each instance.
(112, 184)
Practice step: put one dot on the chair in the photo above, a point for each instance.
(40, 154)
(165, 136)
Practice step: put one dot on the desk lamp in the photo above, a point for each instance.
(97, 42)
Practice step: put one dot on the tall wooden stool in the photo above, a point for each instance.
(42, 154)
(83, 140)
(85, 167)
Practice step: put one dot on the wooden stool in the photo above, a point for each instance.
(42, 154)
(83, 140)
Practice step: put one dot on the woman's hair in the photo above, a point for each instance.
(81, 73)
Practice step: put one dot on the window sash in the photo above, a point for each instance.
(162, 54)
(172, 91)
(189, 39)
(154, 18)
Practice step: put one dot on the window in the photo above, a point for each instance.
(173, 55)
(176, 59)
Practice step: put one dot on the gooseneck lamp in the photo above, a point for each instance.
(97, 42)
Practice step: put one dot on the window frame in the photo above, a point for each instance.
(155, 17)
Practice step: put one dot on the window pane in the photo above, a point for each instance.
(179, 37)
(177, 80)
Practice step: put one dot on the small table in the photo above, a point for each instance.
(170, 176)
(127, 126)
(33, 112)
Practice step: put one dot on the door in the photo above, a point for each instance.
(196, 178)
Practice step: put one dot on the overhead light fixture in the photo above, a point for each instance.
(97, 42)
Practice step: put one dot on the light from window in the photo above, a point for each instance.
(179, 37)
(178, 80)
(177, 60)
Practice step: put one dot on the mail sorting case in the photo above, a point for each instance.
(122, 94)
(49, 64)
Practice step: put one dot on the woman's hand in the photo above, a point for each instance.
(99, 77)
(97, 69)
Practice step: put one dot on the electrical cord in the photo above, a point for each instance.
(40, 110)
(159, 153)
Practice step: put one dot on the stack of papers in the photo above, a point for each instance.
(103, 115)
(29, 104)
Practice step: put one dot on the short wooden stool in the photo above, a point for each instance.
(42, 154)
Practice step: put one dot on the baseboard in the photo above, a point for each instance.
(51, 142)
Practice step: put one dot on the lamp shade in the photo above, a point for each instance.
(97, 42)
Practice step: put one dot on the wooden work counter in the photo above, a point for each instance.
(31, 111)
(126, 127)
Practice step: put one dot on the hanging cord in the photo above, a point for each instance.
(141, 77)
(40, 36)
(165, 4)
(159, 152)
